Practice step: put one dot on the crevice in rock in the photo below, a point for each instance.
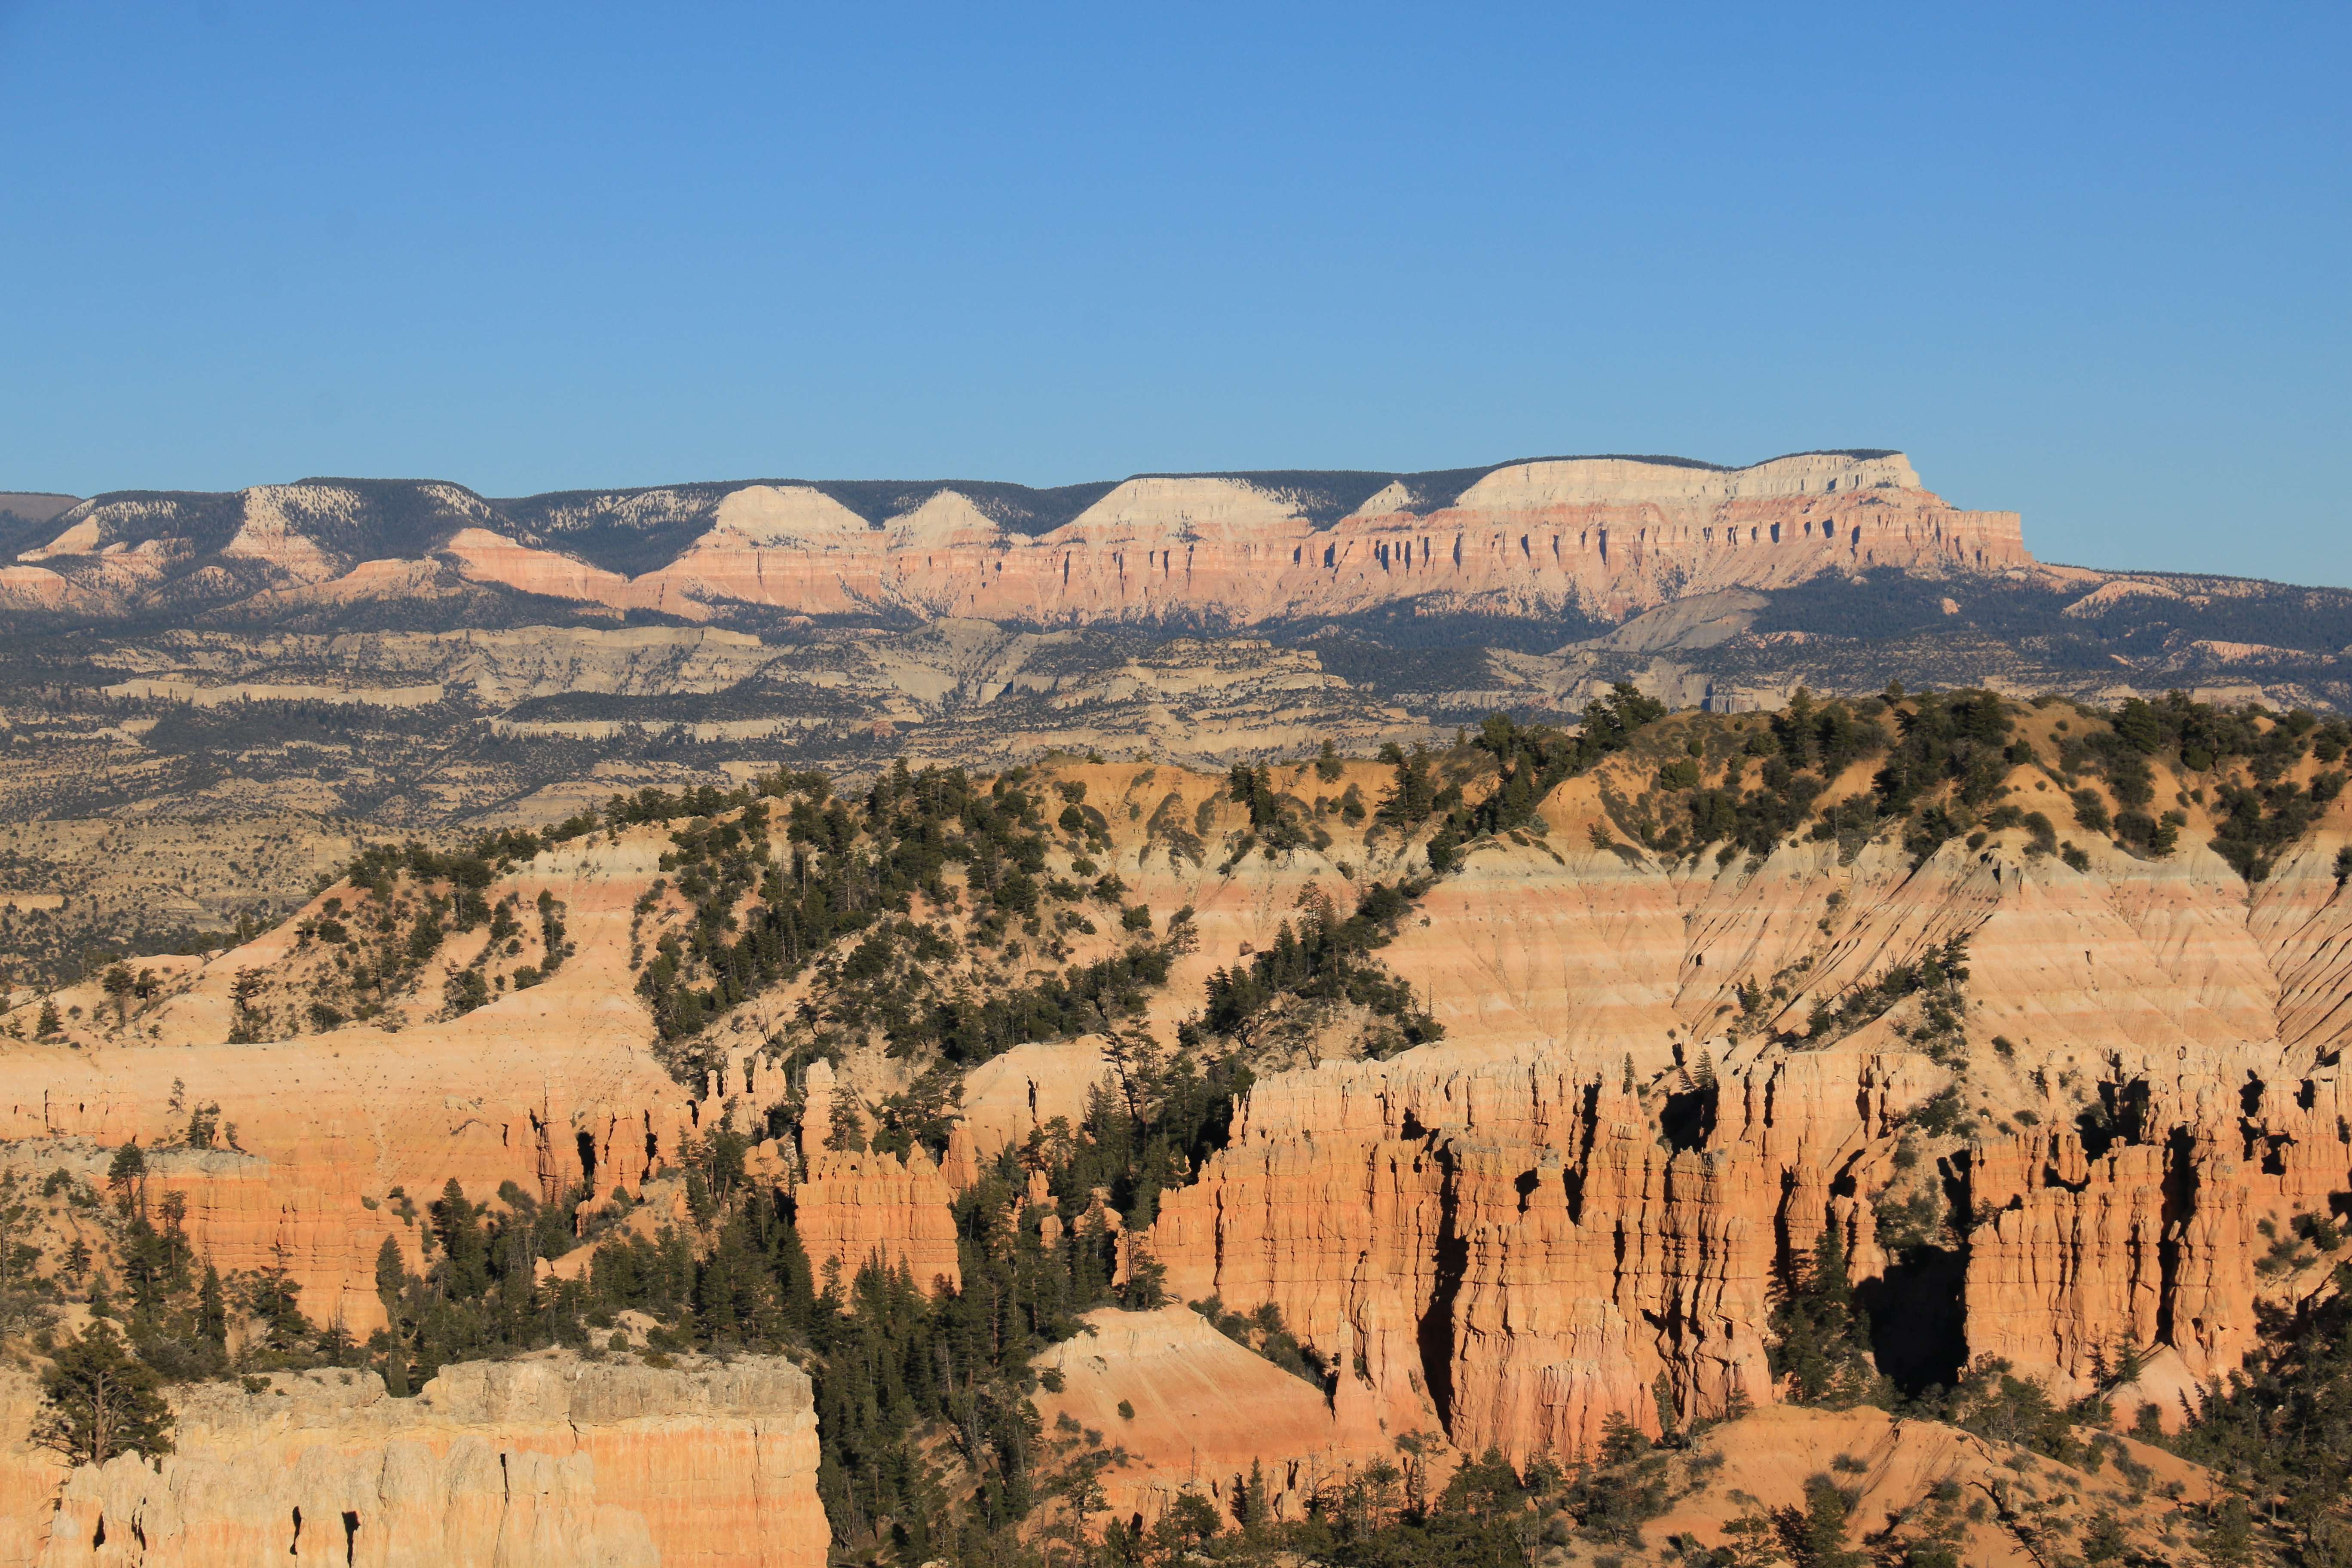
(1434, 1333)
(2179, 1203)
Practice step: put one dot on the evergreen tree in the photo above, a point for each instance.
(118, 983)
(100, 1401)
(1816, 1537)
(1820, 1331)
(1147, 1282)
(211, 1312)
(126, 1178)
(465, 1267)
(392, 1278)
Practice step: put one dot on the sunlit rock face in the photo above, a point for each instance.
(1607, 537)
(550, 1463)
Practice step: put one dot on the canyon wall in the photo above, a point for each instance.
(2076, 1261)
(1503, 1250)
(1574, 1207)
(1508, 1251)
(1547, 940)
(1605, 536)
(546, 1463)
(1589, 1190)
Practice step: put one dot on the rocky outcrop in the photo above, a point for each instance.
(546, 1463)
(1191, 1410)
(1507, 1250)
(1525, 536)
(858, 1206)
(1008, 1098)
(1573, 1207)
(1605, 535)
(852, 1209)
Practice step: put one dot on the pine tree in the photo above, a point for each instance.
(465, 1254)
(212, 1311)
(391, 1276)
(1621, 1442)
(1820, 1331)
(101, 1401)
(1816, 1538)
(126, 1178)
(1256, 1507)
(118, 983)
(1147, 1282)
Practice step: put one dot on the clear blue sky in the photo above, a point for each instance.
(2086, 262)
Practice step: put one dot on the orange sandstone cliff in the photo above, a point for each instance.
(1578, 1205)
(549, 1462)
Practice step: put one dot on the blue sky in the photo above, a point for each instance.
(2085, 262)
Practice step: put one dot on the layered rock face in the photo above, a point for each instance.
(1007, 1099)
(547, 1463)
(1492, 1238)
(853, 1209)
(1610, 536)
(2152, 1244)
(2157, 966)
(1607, 535)
(1502, 1250)
(1547, 1219)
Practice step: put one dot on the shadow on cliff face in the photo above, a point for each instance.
(1434, 1333)
(1919, 1326)
(1687, 1119)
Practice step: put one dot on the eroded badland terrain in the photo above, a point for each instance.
(1351, 1019)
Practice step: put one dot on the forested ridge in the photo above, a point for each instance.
(912, 911)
